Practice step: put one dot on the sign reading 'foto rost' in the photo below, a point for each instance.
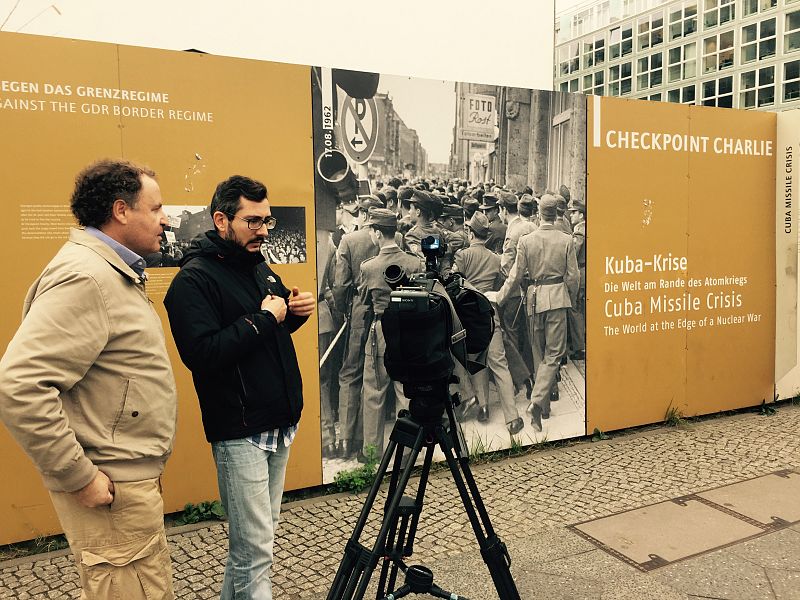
(479, 117)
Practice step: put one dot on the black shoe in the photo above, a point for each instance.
(564, 359)
(467, 408)
(515, 426)
(536, 419)
(528, 388)
(346, 449)
(329, 451)
(554, 395)
(483, 414)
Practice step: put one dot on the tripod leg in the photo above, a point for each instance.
(353, 564)
(389, 515)
(493, 550)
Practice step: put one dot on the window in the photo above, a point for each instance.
(758, 40)
(568, 58)
(620, 42)
(683, 20)
(651, 31)
(718, 52)
(751, 7)
(682, 62)
(594, 50)
(791, 30)
(573, 85)
(655, 97)
(791, 81)
(684, 95)
(718, 92)
(757, 88)
(718, 12)
(649, 73)
(599, 88)
(620, 79)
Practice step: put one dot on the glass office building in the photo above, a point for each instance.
(726, 53)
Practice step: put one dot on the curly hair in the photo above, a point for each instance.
(227, 196)
(100, 184)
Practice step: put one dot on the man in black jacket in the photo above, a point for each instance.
(232, 319)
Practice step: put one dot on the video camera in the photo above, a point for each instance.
(429, 323)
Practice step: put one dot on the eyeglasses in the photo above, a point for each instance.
(256, 223)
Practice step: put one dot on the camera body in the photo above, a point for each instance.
(423, 330)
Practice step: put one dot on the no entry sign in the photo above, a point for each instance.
(358, 123)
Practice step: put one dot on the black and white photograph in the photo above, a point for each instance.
(498, 174)
(285, 244)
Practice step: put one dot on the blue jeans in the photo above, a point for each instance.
(251, 486)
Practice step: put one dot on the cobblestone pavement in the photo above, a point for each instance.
(534, 495)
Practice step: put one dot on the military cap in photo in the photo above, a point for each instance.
(489, 201)
(479, 224)
(382, 216)
(405, 192)
(452, 210)
(507, 199)
(390, 194)
(564, 192)
(381, 196)
(429, 202)
(577, 205)
(367, 202)
(561, 203)
(470, 203)
(526, 202)
(351, 208)
(547, 206)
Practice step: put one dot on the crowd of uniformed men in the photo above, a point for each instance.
(526, 251)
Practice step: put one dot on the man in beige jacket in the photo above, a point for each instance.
(87, 390)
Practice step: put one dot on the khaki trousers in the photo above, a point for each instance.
(121, 549)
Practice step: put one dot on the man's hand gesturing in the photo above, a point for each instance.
(301, 304)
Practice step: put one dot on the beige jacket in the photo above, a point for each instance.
(86, 381)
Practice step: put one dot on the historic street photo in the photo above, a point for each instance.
(499, 175)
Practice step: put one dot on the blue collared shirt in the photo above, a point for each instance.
(133, 260)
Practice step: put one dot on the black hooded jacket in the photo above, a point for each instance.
(242, 360)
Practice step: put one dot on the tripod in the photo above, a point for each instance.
(421, 427)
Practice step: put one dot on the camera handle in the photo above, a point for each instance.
(395, 540)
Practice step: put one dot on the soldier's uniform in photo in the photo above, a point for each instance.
(470, 205)
(329, 323)
(374, 293)
(497, 229)
(577, 314)
(354, 249)
(455, 238)
(413, 239)
(562, 222)
(512, 314)
(481, 267)
(548, 256)
(341, 230)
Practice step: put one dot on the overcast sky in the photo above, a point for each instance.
(428, 106)
(351, 34)
(424, 38)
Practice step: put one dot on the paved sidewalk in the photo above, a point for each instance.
(532, 500)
